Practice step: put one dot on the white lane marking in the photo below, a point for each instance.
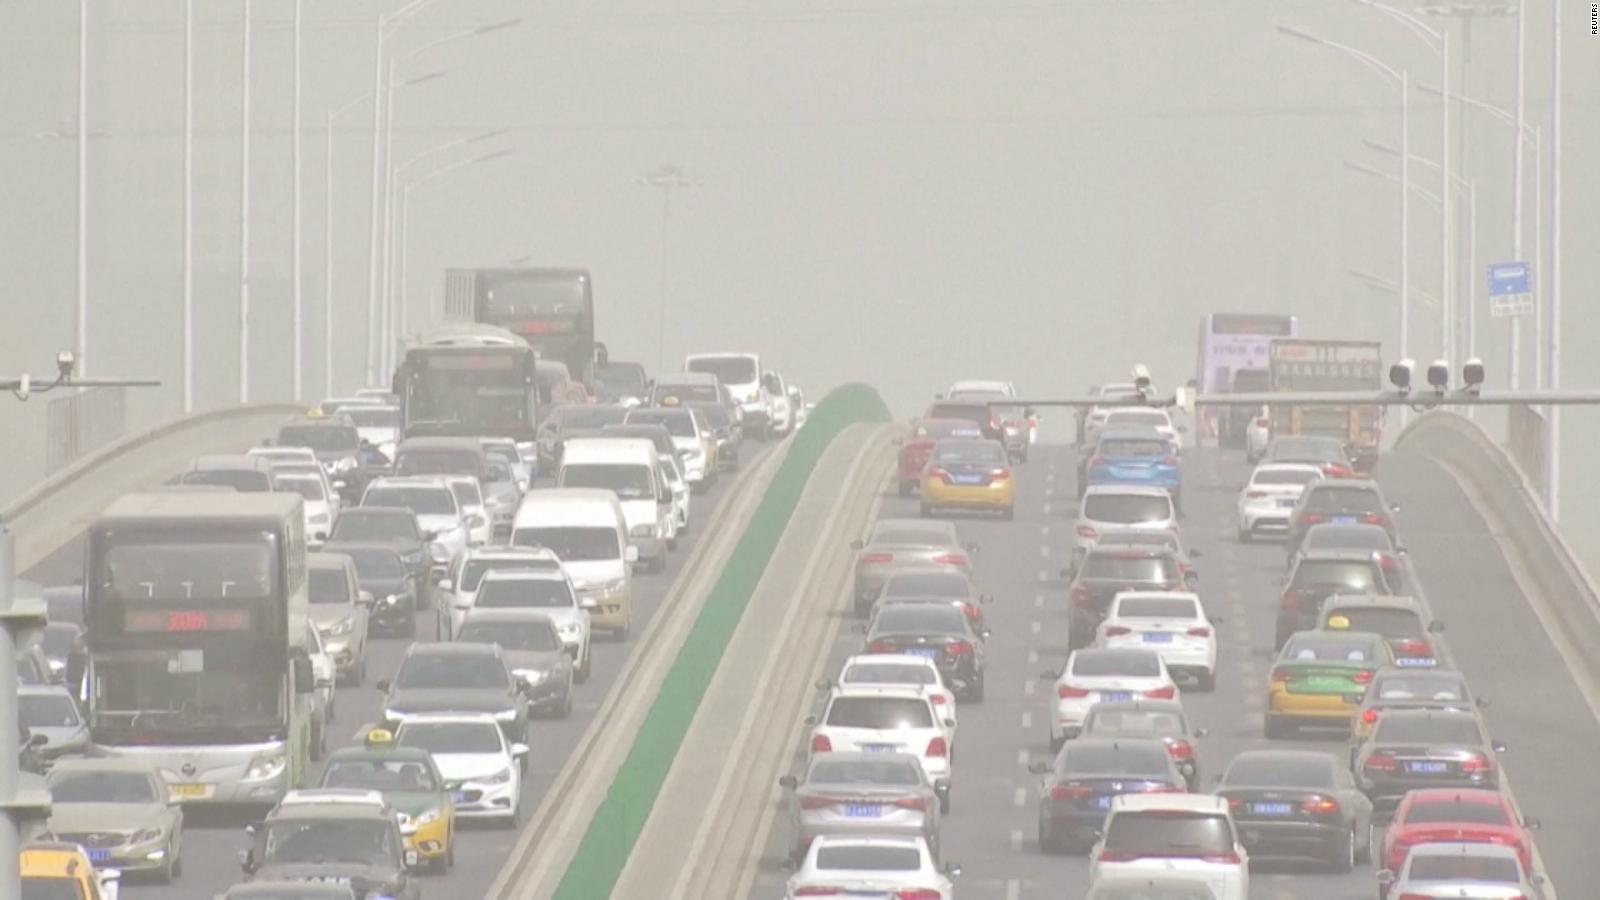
(1013, 889)
(1028, 687)
(1033, 657)
(1020, 798)
(1038, 601)
(1022, 757)
(1044, 574)
(1044, 551)
(1016, 840)
(1034, 627)
(1027, 721)
(1046, 508)
(1044, 531)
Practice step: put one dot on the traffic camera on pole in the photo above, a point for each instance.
(1472, 376)
(1439, 375)
(1400, 375)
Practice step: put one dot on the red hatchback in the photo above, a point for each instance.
(916, 449)
(1432, 815)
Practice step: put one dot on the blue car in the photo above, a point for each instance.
(1077, 788)
(1137, 457)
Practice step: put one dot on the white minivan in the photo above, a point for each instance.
(585, 528)
(627, 468)
(742, 375)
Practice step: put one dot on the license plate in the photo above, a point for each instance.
(1102, 802)
(967, 479)
(1115, 696)
(879, 748)
(1270, 809)
(1286, 502)
(458, 796)
(1427, 767)
(99, 856)
(1158, 637)
(863, 810)
(190, 791)
(1416, 662)
(929, 652)
(1343, 520)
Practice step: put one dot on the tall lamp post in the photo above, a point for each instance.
(244, 212)
(81, 337)
(666, 178)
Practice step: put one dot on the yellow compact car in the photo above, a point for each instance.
(1320, 677)
(967, 474)
(51, 869)
(410, 782)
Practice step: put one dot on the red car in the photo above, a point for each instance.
(916, 449)
(1433, 815)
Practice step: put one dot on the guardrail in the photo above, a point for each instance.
(50, 514)
(1531, 541)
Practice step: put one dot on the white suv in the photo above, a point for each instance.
(460, 582)
(550, 593)
(1148, 835)
(1120, 507)
(868, 719)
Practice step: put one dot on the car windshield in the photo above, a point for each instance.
(373, 416)
(101, 787)
(1092, 758)
(880, 712)
(1275, 770)
(375, 563)
(572, 544)
(1285, 476)
(910, 537)
(438, 462)
(587, 416)
(523, 593)
(1404, 687)
(1307, 449)
(474, 569)
(379, 774)
(1128, 664)
(865, 771)
(1132, 723)
(927, 584)
(1129, 568)
(628, 482)
(466, 492)
(329, 586)
(730, 370)
(306, 486)
(329, 438)
(1426, 729)
(451, 737)
(1344, 499)
(868, 858)
(1156, 608)
(889, 673)
(1347, 537)
(47, 711)
(50, 887)
(1392, 623)
(427, 671)
(1430, 812)
(332, 840)
(1151, 890)
(678, 422)
(931, 618)
(1158, 833)
(1323, 646)
(358, 526)
(959, 452)
(531, 635)
(1463, 867)
(1125, 447)
(1355, 574)
(424, 501)
(1127, 509)
(243, 480)
(1149, 417)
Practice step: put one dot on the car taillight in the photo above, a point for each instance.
(969, 610)
(1279, 675)
(1379, 762)
(1199, 631)
(1165, 789)
(1068, 692)
(1180, 750)
(1414, 647)
(911, 803)
(880, 647)
(1171, 460)
(1362, 676)
(1086, 531)
(821, 744)
(1068, 792)
(938, 472)
(1095, 460)
(999, 474)
(1369, 716)
(949, 559)
(818, 891)
(1371, 519)
(1161, 693)
(1335, 470)
(1117, 631)
(1080, 595)
(875, 558)
(1477, 764)
(1311, 518)
(1262, 422)
(816, 802)
(937, 747)
(936, 699)
(958, 648)
(1224, 859)
(1117, 856)
(1255, 495)
(1387, 562)
(1319, 806)
(916, 894)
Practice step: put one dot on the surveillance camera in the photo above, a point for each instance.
(24, 386)
(66, 361)
(1472, 374)
(1439, 374)
(1400, 374)
(1141, 377)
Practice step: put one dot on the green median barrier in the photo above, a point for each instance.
(616, 825)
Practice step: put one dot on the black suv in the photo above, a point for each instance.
(355, 843)
(1321, 574)
(1107, 570)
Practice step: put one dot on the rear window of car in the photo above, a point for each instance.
(1127, 509)
(1359, 575)
(1133, 723)
(1347, 537)
(1137, 417)
(1402, 687)
(880, 712)
(1391, 623)
(869, 859)
(474, 570)
(1285, 476)
(901, 773)
(1163, 833)
(944, 428)
(1325, 647)
(354, 525)
(1280, 771)
(523, 593)
(1134, 447)
(970, 452)
(1124, 758)
(329, 586)
(1394, 729)
(1156, 607)
(678, 422)
(927, 584)
(438, 462)
(1130, 568)
(889, 673)
(1322, 451)
(1453, 811)
(918, 618)
(972, 412)
(1494, 869)
(910, 537)
(1132, 665)
(1344, 499)
(424, 501)
(243, 480)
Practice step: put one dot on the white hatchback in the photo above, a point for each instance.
(1103, 675)
(1172, 623)
(1138, 417)
(836, 865)
(1269, 497)
(481, 768)
(868, 719)
(1166, 835)
(902, 670)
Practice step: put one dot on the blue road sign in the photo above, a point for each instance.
(1510, 278)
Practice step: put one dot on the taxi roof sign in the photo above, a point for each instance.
(1340, 622)
(379, 736)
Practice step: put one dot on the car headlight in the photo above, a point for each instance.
(319, 519)
(391, 599)
(343, 626)
(608, 587)
(345, 464)
(428, 818)
(147, 835)
(501, 777)
(571, 628)
(642, 531)
(530, 677)
(392, 715)
(266, 766)
(506, 715)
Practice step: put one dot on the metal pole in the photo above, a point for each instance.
(1552, 454)
(244, 214)
(1446, 226)
(1472, 266)
(327, 260)
(188, 206)
(10, 827)
(294, 249)
(1405, 217)
(661, 317)
(385, 352)
(1543, 376)
(400, 252)
(81, 339)
(373, 338)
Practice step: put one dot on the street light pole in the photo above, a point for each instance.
(401, 242)
(81, 338)
(294, 249)
(244, 214)
(188, 206)
(1516, 181)
(1552, 454)
(666, 177)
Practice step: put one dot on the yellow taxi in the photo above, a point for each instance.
(410, 782)
(55, 870)
(967, 474)
(1319, 677)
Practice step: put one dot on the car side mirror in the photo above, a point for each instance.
(518, 751)
(320, 537)
(788, 782)
(1498, 746)
(789, 864)
(412, 859)
(1482, 702)
(631, 554)
(856, 545)
(984, 633)
(1067, 572)
(971, 546)
(1201, 732)
(949, 723)
(1436, 626)
(1385, 877)
(859, 628)
(428, 536)
(1039, 767)
(382, 685)
(1218, 619)
(1195, 553)
(985, 598)
(1394, 507)
(824, 684)
(1532, 824)
(952, 869)
(809, 720)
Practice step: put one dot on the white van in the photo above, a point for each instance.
(586, 529)
(742, 375)
(627, 468)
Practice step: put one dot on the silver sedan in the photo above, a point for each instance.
(878, 794)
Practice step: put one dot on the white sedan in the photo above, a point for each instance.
(872, 867)
(1269, 497)
(902, 670)
(1103, 675)
(1172, 623)
(483, 770)
(1158, 419)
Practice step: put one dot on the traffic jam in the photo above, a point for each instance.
(1365, 751)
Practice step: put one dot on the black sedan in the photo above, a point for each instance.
(1412, 749)
(532, 648)
(1076, 790)
(1163, 720)
(462, 678)
(939, 631)
(383, 573)
(1298, 804)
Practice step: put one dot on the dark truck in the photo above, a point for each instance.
(1311, 366)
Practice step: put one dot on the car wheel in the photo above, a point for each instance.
(975, 692)
(1206, 682)
(360, 674)
(1343, 858)
(1277, 730)
(1364, 847)
(1048, 843)
(1008, 513)
(565, 709)
(905, 487)
(622, 634)
(169, 868)
(582, 675)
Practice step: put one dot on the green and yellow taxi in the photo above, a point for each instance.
(410, 782)
(1320, 676)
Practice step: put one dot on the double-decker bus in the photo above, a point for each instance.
(196, 607)
(551, 309)
(468, 380)
(1235, 349)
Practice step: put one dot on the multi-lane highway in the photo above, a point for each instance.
(211, 842)
(1491, 633)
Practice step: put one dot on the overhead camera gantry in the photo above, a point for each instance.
(24, 386)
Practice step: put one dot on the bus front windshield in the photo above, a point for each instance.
(190, 695)
(491, 396)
